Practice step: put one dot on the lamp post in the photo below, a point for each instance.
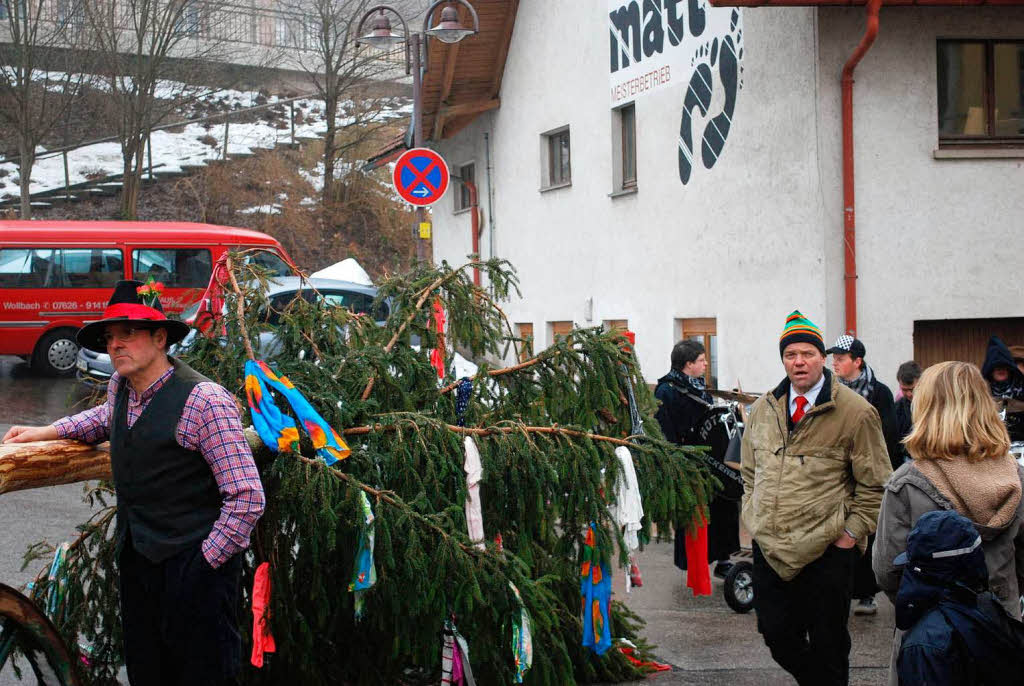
(447, 30)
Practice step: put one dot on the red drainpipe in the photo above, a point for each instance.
(474, 227)
(849, 217)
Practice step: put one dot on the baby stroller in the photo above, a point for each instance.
(739, 580)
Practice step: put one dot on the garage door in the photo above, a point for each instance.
(937, 340)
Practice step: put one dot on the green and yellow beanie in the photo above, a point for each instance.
(800, 329)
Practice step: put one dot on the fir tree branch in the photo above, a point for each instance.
(88, 529)
(496, 430)
(391, 498)
(424, 296)
(505, 370)
(240, 307)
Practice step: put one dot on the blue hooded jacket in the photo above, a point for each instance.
(957, 633)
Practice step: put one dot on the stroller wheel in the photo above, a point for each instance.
(739, 587)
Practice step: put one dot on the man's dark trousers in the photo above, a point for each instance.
(180, 619)
(804, 620)
(864, 584)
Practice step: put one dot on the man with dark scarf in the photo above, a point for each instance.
(1006, 383)
(685, 403)
(854, 373)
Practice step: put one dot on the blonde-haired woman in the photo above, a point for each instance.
(961, 462)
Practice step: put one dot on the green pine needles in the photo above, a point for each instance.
(546, 430)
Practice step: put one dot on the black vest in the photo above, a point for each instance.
(167, 498)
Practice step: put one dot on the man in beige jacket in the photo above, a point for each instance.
(814, 466)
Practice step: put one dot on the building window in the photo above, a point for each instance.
(70, 14)
(616, 325)
(704, 330)
(467, 172)
(524, 331)
(557, 167)
(980, 91)
(627, 140)
(624, 150)
(188, 21)
(559, 331)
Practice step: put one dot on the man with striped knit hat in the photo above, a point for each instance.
(814, 466)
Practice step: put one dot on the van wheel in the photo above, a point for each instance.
(56, 353)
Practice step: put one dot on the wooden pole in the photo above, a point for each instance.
(51, 463)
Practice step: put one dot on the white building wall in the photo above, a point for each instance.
(936, 238)
(760, 233)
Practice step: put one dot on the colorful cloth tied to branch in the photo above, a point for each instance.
(522, 638)
(698, 575)
(262, 637)
(596, 593)
(364, 576)
(455, 667)
(437, 323)
(277, 430)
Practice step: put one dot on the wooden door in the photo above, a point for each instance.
(938, 340)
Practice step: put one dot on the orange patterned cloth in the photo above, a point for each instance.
(596, 595)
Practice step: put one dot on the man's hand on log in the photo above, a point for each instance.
(26, 434)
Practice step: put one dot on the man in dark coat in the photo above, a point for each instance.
(685, 403)
(907, 376)
(957, 632)
(854, 373)
(1007, 384)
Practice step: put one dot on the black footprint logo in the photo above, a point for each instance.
(727, 55)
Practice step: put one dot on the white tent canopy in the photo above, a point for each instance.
(346, 270)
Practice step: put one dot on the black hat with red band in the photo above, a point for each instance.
(135, 304)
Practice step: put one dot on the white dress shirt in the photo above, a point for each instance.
(811, 395)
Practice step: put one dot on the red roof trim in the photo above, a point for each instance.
(860, 3)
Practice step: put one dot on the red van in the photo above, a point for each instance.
(56, 276)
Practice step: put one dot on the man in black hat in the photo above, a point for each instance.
(854, 373)
(188, 494)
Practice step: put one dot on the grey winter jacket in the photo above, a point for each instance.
(908, 495)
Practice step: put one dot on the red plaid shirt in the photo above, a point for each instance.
(210, 425)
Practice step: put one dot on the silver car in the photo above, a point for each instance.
(95, 369)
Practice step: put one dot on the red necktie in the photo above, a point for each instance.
(798, 413)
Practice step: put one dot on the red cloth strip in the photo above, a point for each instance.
(698, 575)
(133, 311)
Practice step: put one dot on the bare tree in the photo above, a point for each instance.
(156, 56)
(348, 78)
(41, 74)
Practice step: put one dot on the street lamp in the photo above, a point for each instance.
(447, 30)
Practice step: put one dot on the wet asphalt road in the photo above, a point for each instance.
(49, 514)
(705, 642)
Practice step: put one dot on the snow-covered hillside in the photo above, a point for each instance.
(196, 143)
